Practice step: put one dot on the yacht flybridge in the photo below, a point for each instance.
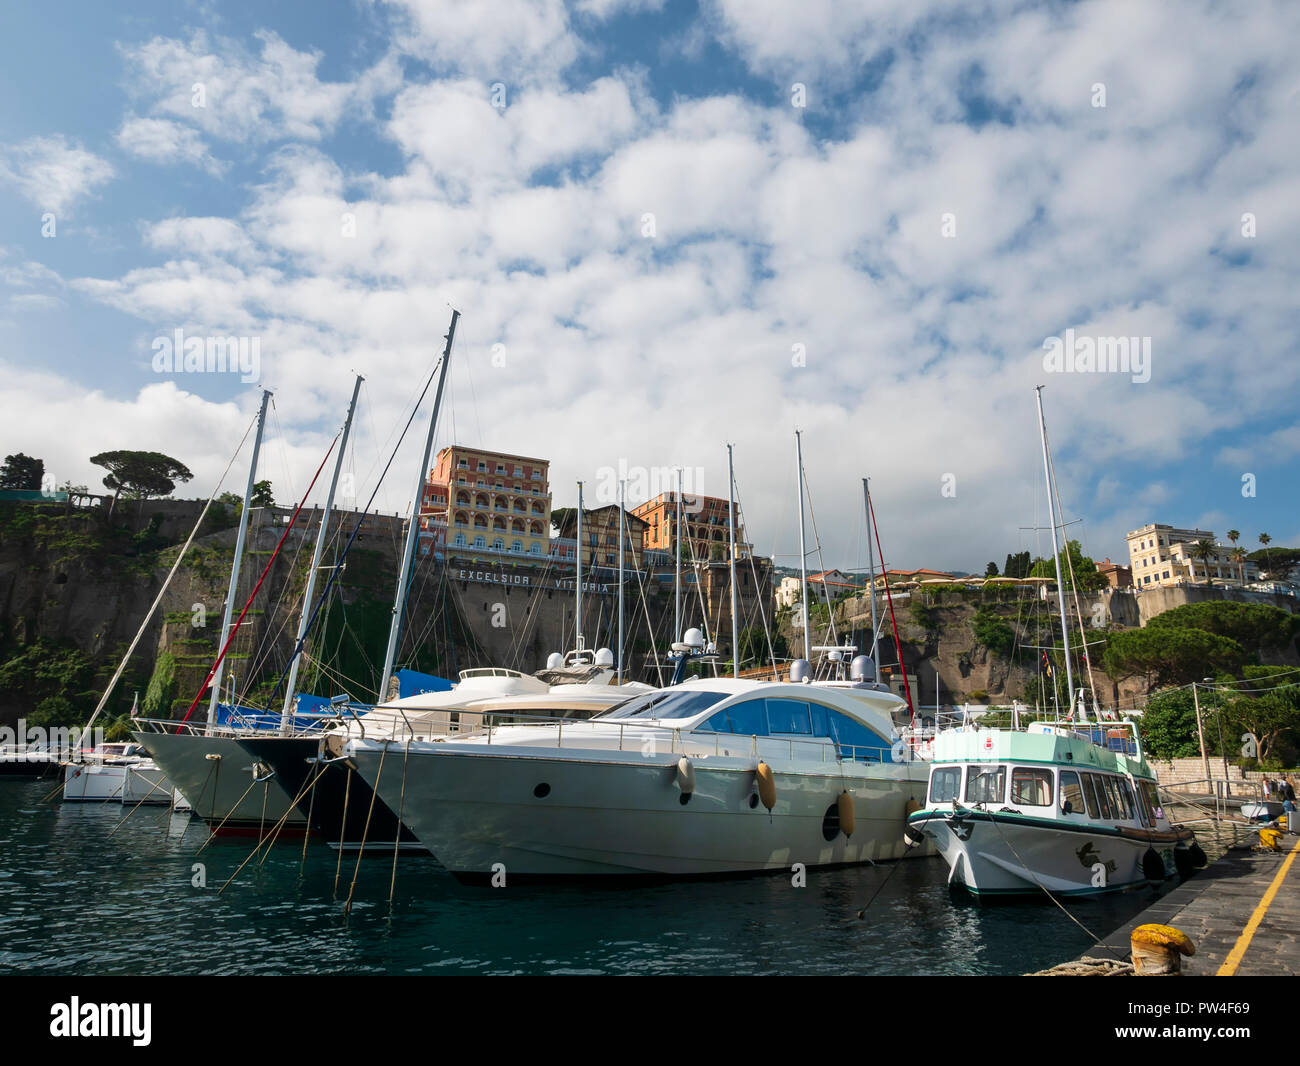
(1071, 809)
(712, 776)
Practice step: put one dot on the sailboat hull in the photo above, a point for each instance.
(216, 776)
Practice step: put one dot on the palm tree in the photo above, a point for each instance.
(1234, 535)
(1239, 557)
(1202, 550)
(1264, 539)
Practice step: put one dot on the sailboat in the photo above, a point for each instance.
(1063, 807)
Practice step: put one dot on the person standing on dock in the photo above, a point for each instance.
(1267, 786)
(1288, 792)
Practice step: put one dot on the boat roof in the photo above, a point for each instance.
(1057, 747)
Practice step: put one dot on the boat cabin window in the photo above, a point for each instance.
(1126, 797)
(1144, 811)
(1031, 787)
(1098, 801)
(1119, 811)
(1152, 794)
(986, 784)
(675, 703)
(789, 716)
(800, 718)
(945, 784)
(1072, 794)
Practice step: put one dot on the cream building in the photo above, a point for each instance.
(1162, 555)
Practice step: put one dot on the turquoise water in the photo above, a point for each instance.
(75, 900)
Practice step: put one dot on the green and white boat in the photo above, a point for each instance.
(1071, 809)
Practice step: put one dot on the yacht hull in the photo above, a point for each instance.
(93, 783)
(518, 812)
(995, 854)
(216, 775)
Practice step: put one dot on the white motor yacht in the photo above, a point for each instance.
(712, 776)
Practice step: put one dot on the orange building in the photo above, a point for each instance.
(490, 501)
(705, 534)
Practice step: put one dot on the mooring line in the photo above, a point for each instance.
(338, 866)
(365, 832)
(397, 836)
(213, 835)
(132, 811)
(268, 843)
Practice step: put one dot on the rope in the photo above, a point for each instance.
(1100, 943)
(365, 832)
(347, 794)
(397, 837)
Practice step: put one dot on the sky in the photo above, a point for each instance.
(668, 226)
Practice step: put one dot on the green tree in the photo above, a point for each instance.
(1270, 717)
(261, 495)
(1168, 725)
(1072, 558)
(991, 570)
(1017, 565)
(1254, 626)
(141, 475)
(1275, 561)
(22, 472)
(1165, 656)
(563, 518)
(1234, 535)
(1266, 540)
(1202, 550)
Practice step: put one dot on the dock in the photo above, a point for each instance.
(1242, 913)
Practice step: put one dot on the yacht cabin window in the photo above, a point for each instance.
(675, 703)
(986, 784)
(1072, 794)
(1152, 795)
(1031, 787)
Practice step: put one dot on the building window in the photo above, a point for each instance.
(517, 546)
(479, 542)
(460, 540)
(498, 545)
(535, 549)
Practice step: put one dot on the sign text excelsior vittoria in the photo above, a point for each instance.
(495, 577)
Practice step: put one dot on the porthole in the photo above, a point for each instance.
(831, 822)
(542, 790)
(753, 800)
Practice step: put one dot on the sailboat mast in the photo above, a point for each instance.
(1056, 554)
(413, 526)
(577, 579)
(622, 514)
(803, 555)
(233, 589)
(871, 571)
(677, 571)
(289, 693)
(735, 630)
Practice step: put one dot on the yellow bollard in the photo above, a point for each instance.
(1158, 950)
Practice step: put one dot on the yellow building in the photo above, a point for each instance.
(1163, 555)
(492, 501)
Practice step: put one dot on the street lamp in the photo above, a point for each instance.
(1219, 719)
(1200, 732)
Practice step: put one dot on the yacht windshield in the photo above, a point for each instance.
(675, 703)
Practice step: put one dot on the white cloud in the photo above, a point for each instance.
(160, 140)
(53, 172)
(233, 95)
(515, 42)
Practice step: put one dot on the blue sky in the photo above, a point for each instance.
(867, 219)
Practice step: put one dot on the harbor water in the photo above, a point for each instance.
(83, 891)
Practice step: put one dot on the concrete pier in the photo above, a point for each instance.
(1242, 913)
